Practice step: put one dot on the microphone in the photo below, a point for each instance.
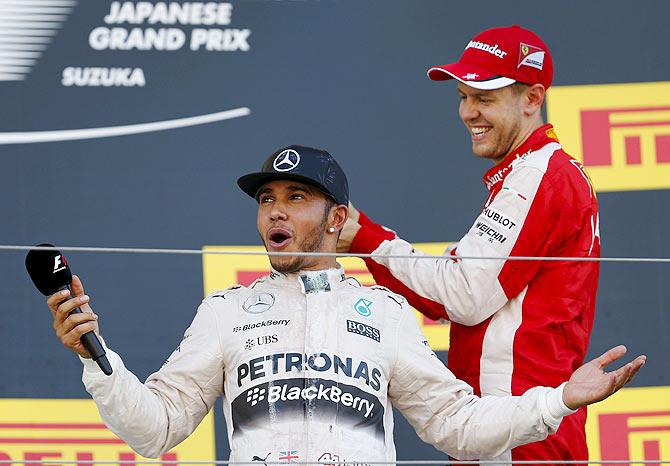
(51, 273)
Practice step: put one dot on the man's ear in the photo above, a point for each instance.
(338, 215)
(533, 99)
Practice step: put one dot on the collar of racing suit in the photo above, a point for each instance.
(311, 281)
(538, 138)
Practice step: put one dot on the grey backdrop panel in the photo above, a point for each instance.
(348, 76)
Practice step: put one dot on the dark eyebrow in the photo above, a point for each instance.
(263, 191)
(292, 188)
(301, 187)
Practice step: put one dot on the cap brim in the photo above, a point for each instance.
(252, 182)
(468, 74)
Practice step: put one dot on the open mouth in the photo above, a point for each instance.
(279, 238)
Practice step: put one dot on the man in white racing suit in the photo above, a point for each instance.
(309, 362)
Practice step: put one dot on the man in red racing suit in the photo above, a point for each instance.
(514, 323)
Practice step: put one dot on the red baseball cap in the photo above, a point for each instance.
(499, 57)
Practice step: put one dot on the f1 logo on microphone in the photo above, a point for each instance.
(60, 263)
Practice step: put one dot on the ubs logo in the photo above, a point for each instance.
(260, 341)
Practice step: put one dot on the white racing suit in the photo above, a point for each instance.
(309, 366)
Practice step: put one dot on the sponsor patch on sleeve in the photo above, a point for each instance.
(499, 219)
(363, 329)
(494, 226)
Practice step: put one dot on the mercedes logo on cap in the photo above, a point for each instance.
(286, 161)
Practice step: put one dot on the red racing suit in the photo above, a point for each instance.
(514, 324)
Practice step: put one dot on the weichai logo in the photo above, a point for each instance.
(620, 132)
(634, 424)
(220, 272)
(43, 430)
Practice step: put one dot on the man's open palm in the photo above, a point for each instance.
(590, 383)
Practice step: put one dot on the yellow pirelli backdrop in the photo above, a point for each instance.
(68, 430)
(621, 132)
(633, 424)
(222, 271)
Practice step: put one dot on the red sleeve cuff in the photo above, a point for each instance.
(387, 233)
(367, 240)
(370, 235)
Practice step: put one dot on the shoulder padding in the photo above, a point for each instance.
(396, 298)
(230, 291)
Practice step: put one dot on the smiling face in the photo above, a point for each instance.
(294, 216)
(499, 120)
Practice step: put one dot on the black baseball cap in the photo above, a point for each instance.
(306, 164)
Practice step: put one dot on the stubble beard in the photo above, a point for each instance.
(501, 147)
(312, 243)
(503, 144)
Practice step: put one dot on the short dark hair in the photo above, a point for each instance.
(330, 202)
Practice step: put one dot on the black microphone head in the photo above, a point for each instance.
(48, 269)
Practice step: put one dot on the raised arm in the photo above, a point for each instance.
(157, 415)
(467, 291)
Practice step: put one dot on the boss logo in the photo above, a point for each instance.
(363, 329)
